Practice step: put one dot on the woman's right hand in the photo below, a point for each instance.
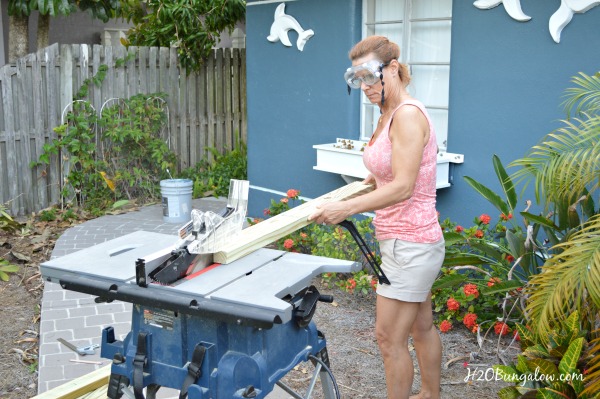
(370, 180)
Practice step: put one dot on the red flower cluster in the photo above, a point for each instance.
(501, 328)
(289, 243)
(291, 193)
(485, 219)
(470, 320)
(510, 258)
(479, 234)
(471, 289)
(284, 200)
(452, 304)
(374, 283)
(445, 326)
(505, 217)
(459, 229)
(350, 285)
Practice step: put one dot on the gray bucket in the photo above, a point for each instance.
(176, 200)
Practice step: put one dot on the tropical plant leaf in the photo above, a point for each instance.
(543, 367)
(488, 194)
(508, 393)
(592, 374)
(534, 351)
(463, 260)
(586, 96)
(539, 220)
(574, 271)
(503, 286)
(506, 373)
(506, 182)
(568, 364)
(450, 280)
(452, 238)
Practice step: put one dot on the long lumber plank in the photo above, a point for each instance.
(272, 229)
(79, 386)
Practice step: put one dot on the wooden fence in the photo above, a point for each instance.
(206, 109)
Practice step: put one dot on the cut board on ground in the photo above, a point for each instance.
(94, 383)
(279, 226)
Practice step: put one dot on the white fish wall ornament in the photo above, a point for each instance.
(564, 14)
(282, 24)
(512, 7)
(558, 20)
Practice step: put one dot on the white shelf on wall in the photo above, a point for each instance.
(344, 157)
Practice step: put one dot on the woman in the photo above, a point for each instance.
(401, 158)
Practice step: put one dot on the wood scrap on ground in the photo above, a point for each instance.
(272, 229)
(80, 387)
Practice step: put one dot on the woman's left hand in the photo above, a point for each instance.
(330, 213)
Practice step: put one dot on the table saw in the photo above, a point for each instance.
(209, 330)
(225, 331)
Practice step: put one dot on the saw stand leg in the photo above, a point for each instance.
(301, 384)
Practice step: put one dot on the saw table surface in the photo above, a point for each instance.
(254, 287)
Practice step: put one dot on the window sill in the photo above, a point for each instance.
(344, 157)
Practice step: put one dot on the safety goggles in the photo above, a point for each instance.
(370, 73)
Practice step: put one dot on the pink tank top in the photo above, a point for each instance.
(414, 219)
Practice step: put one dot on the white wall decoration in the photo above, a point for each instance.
(558, 20)
(564, 14)
(282, 24)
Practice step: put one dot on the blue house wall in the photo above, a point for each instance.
(507, 80)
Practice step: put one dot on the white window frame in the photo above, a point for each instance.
(367, 122)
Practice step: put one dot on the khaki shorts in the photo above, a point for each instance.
(411, 268)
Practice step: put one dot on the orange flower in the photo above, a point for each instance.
(289, 243)
(266, 211)
(479, 234)
(452, 304)
(516, 335)
(505, 217)
(303, 235)
(470, 320)
(485, 219)
(284, 200)
(291, 193)
(471, 289)
(445, 326)
(475, 328)
(501, 328)
(510, 258)
(374, 283)
(492, 281)
(459, 229)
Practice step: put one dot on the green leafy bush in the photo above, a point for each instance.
(211, 178)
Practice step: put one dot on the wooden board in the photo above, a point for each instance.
(80, 386)
(270, 230)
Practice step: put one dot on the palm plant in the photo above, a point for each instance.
(565, 170)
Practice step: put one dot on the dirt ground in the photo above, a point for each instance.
(347, 324)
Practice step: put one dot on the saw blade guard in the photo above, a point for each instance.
(214, 229)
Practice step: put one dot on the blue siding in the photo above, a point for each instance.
(298, 99)
(506, 86)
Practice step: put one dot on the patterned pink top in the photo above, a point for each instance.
(414, 219)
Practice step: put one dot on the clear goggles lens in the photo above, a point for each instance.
(369, 73)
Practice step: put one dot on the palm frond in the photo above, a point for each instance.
(569, 280)
(585, 96)
(566, 162)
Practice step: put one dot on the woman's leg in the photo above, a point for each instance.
(428, 346)
(392, 328)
